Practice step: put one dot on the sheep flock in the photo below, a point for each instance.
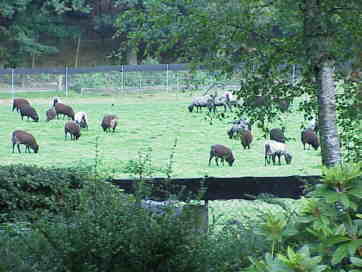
(239, 138)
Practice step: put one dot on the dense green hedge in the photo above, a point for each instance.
(25, 191)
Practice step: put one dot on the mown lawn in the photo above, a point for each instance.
(146, 121)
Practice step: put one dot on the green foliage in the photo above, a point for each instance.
(327, 232)
(108, 232)
(28, 191)
(349, 107)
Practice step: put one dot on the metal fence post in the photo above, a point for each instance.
(66, 80)
(122, 78)
(167, 77)
(12, 83)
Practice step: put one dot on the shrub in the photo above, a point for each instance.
(108, 232)
(26, 191)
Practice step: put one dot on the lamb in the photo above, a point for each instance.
(65, 110)
(308, 136)
(19, 102)
(81, 119)
(246, 138)
(29, 111)
(73, 129)
(109, 122)
(222, 152)
(22, 137)
(200, 102)
(277, 134)
(313, 124)
(50, 114)
(54, 101)
(275, 148)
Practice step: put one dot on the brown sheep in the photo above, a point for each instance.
(65, 110)
(308, 136)
(222, 152)
(22, 137)
(19, 102)
(109, 122)
(29, 111)
(246, 138)
(50, 114)
(73, 129)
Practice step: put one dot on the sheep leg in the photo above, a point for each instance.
(279, 159)
(18, 145)
(13, 147)
(273, 158)
(211, 156)
(217, 161)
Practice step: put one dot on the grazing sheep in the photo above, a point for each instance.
(277, 134)
(282, 103)
(22, 137)
(81, 119)
(65, 110)
(233, 100)
(246, 138)
(275, 148)
(308, 136)
(220, 101)
(29, 111)
(19, 102)
(237, 127)
(50, 114)
(257, 101)
(200, 102)
(222, 152)
(109, 122)
(73, 129)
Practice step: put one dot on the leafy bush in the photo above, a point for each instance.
(26, 191)
(109, 232)
(327, 232)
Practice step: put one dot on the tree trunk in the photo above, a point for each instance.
(331, 154)
(320, 59)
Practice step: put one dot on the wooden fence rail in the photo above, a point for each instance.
(214, 188)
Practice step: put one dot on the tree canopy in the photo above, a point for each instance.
(262, 34)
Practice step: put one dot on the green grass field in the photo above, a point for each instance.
(146, 121)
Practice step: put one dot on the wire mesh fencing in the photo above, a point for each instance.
(111, 80)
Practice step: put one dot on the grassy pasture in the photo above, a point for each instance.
(148, 120)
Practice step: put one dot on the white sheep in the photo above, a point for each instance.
(273, 149)
(81, 119)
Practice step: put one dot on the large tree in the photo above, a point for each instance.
(222, 34)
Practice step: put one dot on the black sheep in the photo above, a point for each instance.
(73, 129)
(308, 136)
(222, 152)
(19, 102)
(22, 137)
(109, 122)
(277, 134)
(29, 111)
